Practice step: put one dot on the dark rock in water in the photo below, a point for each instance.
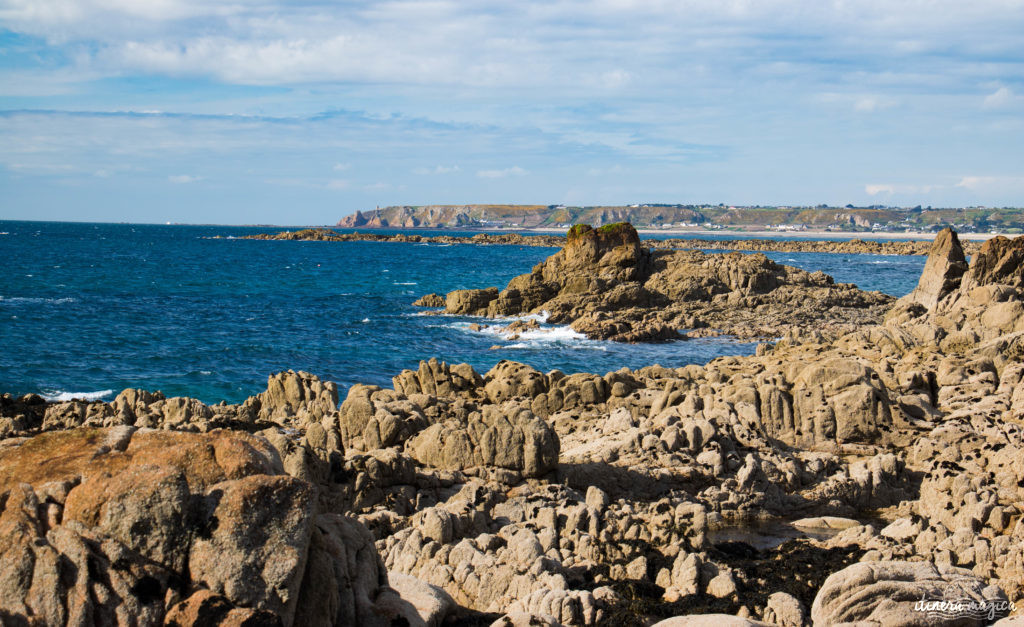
(430, 300)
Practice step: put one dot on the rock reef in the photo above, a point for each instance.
(518, 497)
(723, 241)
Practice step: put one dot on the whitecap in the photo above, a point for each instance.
(554, 334)
(205, 372)
(366, 319)
(403, 283)
(37, 299)
(59, 396)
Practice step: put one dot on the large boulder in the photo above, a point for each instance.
(837, 400)
(142, 527)
(470, 302)
(897, 593)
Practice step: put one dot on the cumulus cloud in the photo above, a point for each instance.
(501, 174)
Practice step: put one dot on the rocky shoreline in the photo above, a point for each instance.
(851, 246)
(517, 497)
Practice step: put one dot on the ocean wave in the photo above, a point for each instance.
(543, 338)
(59, 396)
(37, 299)
(541, 317)
(403, 282)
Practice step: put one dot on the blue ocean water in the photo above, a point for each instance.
(95, 308)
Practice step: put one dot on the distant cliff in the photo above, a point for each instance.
(524, 216)
(714, 216)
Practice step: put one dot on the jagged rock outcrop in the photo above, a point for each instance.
(608, 286)
(943, 270)
(1000, 261)
(297, 395)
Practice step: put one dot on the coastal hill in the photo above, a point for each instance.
(848, 218)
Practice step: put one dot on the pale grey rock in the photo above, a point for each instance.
(886, 592)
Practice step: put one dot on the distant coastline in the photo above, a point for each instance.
(755, 221)
(739, 235)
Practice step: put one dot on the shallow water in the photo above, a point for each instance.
(766, 535)
(95, 308)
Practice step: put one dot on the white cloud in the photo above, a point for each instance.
(870, 104)
(500, 174)
(999, 99)
(860, 103)
(341, 167)
(1013, 184)
(975, 182)
(436, 170)
(606, 44)
(338, 184)
(184, 179)
(888, 189)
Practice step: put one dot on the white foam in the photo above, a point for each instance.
(554, 334)
(366, 319)
(541, 317)
(60, 396)
(33, 299)
(403, 283)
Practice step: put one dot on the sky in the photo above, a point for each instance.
(301, 112)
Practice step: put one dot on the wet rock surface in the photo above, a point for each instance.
(521, 497)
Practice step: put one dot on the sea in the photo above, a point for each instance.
(87, 310)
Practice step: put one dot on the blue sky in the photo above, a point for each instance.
(263, 111)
